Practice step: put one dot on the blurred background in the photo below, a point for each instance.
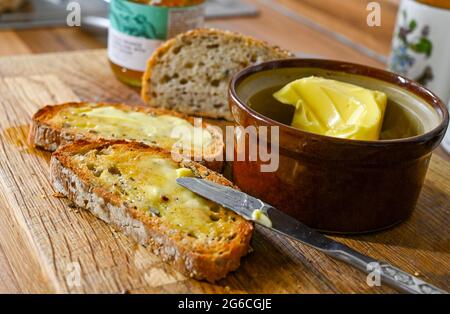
(324, 28)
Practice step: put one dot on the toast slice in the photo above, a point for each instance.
(55, 125)
(133, 187)
(190, 73)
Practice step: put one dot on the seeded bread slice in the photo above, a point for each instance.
(117, 180)
(190, 73)
(57, 125)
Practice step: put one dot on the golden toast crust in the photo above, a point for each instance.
(210, 262)
(48, 136)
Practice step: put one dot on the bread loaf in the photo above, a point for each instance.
(190, 73)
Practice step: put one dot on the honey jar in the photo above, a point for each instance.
(138, 27)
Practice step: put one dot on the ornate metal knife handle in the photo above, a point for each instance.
(391, 275)
(408, 282)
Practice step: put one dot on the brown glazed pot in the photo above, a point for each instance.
(332, 184)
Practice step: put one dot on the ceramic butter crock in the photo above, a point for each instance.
(333, 184)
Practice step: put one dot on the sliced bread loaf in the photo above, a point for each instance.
(190, 73)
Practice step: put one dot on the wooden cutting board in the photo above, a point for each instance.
(47, 246)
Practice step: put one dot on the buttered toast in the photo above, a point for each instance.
(55, 125)
(133, 187)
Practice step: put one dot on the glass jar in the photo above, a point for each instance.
(138, 27)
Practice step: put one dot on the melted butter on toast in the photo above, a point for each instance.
(147, 181)
(110, 122)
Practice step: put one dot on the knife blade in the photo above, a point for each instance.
(246, 205)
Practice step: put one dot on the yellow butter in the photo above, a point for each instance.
(110, 122)
(148, 183)
(334, 108)
(184, 172)
(259, 216)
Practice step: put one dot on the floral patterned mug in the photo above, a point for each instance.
(421, 47)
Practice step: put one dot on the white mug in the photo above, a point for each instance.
(421, 46)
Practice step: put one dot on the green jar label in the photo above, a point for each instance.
(139, 20)
(136, 30)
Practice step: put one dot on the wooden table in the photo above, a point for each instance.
(30, 261)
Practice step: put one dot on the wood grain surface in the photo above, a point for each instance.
(349, 18)
(44, 240)
(278, 26)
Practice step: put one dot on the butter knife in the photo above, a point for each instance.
(266, 215)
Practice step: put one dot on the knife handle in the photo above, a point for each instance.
(393, 276)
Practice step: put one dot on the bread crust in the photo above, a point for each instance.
(164, 48)
(49, 137)
(202, 263)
